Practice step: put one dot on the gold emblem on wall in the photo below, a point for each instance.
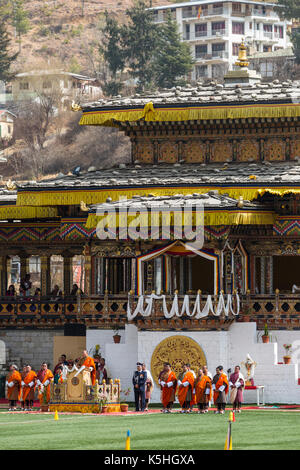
(177, 350)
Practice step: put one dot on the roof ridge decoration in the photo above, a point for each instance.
(110, 116)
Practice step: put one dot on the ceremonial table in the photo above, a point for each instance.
(258, 388)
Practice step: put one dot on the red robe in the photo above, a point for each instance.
(182, 391)
(168, 393)
(89, 362)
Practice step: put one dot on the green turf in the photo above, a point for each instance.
(252, 430)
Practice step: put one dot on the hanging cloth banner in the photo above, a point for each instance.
(196, 313)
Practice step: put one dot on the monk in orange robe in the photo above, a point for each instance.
(185, 389)
(88, 363)
(44, 377)
(13, 383)
(203, 391)
(168, 383)
(220, 387)
(28, 387)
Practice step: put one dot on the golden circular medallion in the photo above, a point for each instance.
(177, 350)
(75, 381)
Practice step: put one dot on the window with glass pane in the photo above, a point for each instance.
(235, 49)
(201, 51)
(238, 27)
(200, 29)
(201, 71)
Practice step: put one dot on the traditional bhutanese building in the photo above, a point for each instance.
(230, 150)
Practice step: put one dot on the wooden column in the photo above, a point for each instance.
(3, 275)
(45, 275)
(87, 270)
(24, 262)
(68, 273)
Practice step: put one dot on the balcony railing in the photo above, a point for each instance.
(218, 32)
(204, 12)
(108, 310)
(219, 55)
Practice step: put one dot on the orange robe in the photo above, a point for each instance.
(30, 377)
(221, 381)
(89, 362)
(182, 391)
(167, 393)
(15, 377)
(48, 376)
(200, 386)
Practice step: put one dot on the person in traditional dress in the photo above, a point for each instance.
(44, 378)
(13, 384)
(58, 377)
(88, 363)
(149, 386)
(168, 383)
(185, 389)
(28, 386)
(203, 391)
(206, 372)
(220, 387)
(23, 373)
(237, 384)
(101, 373)
(62, 361)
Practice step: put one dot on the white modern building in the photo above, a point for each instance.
(215, 30)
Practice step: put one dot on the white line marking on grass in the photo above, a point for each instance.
(41, 420)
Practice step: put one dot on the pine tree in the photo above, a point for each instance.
(113, 53)
(173, 59)
(20, 19)
(290, 10)
(140, 43)
(6, 58)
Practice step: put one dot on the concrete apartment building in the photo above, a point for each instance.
(215, 29)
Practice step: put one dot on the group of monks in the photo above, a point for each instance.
(22, 386)
(199, 389)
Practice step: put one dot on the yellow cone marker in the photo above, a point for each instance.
(127, 446)
(56, 416)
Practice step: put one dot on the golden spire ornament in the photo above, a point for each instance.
(242, 57)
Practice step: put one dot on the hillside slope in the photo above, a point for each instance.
(65, 33)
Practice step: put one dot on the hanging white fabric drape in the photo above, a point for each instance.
(196, 313)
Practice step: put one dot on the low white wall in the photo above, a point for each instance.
(221, 348)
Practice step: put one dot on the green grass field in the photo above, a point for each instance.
(252, 430)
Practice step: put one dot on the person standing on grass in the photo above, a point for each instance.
(149, 386)
(237, 384)
(29, 382)
(139, 383)
(168, 383)
(23, 373)
(185, 389)
(44, 378)
(13, 383)
(220, 387)
(203, 391)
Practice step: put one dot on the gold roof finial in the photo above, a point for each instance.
(242, 58)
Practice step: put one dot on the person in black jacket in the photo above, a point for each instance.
(139, 383)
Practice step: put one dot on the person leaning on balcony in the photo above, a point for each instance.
(11, 291)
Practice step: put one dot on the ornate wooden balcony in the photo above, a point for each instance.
(279, 311)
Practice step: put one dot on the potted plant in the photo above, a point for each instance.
(124, 406)
(102, 400)
(265, 336)
(116, 336)
(287, 358)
